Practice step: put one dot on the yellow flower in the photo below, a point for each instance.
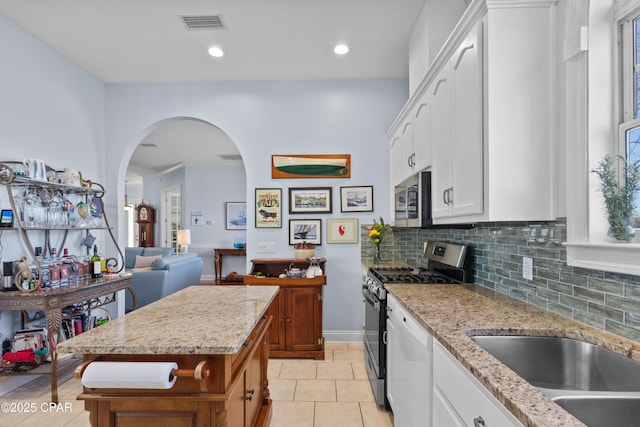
(377, 230)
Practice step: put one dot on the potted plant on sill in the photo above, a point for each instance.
(619, 189)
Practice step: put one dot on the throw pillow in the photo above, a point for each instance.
(145, 261)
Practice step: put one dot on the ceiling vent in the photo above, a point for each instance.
(230, 156)
(202, 22)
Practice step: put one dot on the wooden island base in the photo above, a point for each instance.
(219, 390)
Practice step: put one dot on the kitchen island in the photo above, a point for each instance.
(217, 336)
(453, 313)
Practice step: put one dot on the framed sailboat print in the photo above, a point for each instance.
(295, 166)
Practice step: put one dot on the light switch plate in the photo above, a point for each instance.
(266, 247)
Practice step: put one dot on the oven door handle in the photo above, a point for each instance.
(370, 301)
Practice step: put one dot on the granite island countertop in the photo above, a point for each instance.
(451, 313)
(195, 320)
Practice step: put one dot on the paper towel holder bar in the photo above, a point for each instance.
(200, 373)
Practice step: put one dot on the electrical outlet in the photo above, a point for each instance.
(527, 268)
(266, 247)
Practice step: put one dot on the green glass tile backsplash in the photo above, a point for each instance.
(605, 300)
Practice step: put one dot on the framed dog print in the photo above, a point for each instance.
(236, 215)
(356, 199)
(310, 200)
(342, 230)
(305, 230)
(268, 208)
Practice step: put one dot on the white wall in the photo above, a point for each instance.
(265, 118)
(52, 110)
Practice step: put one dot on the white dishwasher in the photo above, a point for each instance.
(409, 367)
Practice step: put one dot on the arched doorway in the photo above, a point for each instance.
(176, 159)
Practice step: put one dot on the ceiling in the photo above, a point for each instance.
(121, 41)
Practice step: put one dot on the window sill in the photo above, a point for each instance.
(614, 257)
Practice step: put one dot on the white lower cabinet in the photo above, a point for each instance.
(460, 400)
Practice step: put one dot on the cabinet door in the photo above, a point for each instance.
(277, 327)
(441, 140)
(443, 413)
(396, 160)
(467, 154)
(466, 396)
(421, 135)
(253, 378)
(303, 319)
(237, 403)
(408, 155)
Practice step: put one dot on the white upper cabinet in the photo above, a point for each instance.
(396, 159)
(489, 99)
(421, 136)
(457, 140)
(410, 145)
(441, 100)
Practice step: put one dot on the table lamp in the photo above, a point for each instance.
(184, 239)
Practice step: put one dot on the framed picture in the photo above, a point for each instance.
(236, 215)
(356, 199)
(293, 166)
(268, 207)
(197, 218)
(305, 230)
(342, 230)
(309, 200)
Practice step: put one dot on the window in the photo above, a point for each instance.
(629, 130)
(595, 113)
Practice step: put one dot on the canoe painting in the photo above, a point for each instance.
(311, 166)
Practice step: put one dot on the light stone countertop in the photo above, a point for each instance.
(453, 312)
(196, 320)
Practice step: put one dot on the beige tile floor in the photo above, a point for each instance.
(334, 392)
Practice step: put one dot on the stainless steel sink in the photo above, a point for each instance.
(603, 411)
(563, 363)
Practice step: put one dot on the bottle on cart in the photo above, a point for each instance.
(94, 264)
(103, 263)
(71, 266)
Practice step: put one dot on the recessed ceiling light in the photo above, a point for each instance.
(216, 52)
(341, 49)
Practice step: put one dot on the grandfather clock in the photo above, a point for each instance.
(145, 217)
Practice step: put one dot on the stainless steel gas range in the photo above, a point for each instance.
(446, 264)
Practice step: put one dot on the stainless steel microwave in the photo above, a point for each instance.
(413, 203)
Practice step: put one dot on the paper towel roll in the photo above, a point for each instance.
(129, 375)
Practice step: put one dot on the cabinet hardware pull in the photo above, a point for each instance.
(288, 320)
(245, 344)
(478, 422)
(450, 195)
(249, 397)
(384, 338)
(444, 197)
(251, 391)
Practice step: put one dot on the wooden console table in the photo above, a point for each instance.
(296, 330)
(53, 301)
(218, 253)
